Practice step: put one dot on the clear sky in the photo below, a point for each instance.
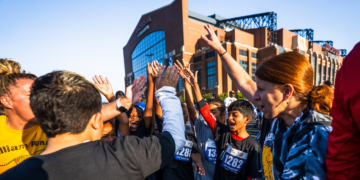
(88, 36)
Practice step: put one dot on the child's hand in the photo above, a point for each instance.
(157, 69)
(200, 167)
(185, 73)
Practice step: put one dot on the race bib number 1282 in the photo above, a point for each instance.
(234, 160)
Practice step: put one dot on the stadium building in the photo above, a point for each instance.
(173, 33)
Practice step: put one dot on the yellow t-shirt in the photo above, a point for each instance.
(18, 145)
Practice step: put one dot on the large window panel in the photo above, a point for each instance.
(211, 75)
(153, 43)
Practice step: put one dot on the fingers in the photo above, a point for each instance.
(103, 80)
(107, 80)
(179, 64)
(196, 76)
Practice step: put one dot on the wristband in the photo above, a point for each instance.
(223, 53)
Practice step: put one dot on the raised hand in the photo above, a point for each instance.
(157, 69)
(150, 71)
(134, 91)
(170, 78)
(103, 86)
(213, 40)
(185, 72)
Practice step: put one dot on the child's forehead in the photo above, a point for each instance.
(236, 111)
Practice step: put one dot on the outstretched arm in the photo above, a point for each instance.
(185, 72)
(132, 94)
(149, 97)
(203, 106)
(238, 75)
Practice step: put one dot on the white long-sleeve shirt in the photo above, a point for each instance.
(172, 115)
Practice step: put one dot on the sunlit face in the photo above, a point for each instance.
(237, 121)
(268, 97)
(108, 132)
(20, 99)
(135, 119)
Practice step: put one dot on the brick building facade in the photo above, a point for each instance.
(174, 32)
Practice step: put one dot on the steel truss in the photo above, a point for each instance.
(268, 20)
(342, 52)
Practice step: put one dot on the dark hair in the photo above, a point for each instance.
(128, 112)
(328, 83)
(293, 68)
(64, 102)
(10, 72)
(118, 93)
(219, 103)
(221, 106)
(243, 106)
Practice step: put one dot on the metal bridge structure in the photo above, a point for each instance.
(267, 19)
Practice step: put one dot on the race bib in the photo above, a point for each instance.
(210, 150)
(233, 159)
(184, 153)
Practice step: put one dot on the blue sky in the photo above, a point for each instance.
(88, 36)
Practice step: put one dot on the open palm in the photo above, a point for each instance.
(185, 73)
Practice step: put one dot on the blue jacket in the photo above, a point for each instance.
(298, 151)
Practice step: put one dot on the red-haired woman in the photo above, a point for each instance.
(294, 146)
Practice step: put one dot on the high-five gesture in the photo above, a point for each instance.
(157, 69)
(134, 91)
(170, 78)
(104, 86)
(185, 72)
(213, 40)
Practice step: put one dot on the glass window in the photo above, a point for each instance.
(198, 69)
(314, 67)
(319, 74)
(197, 59)
(243, 52)
(211, 78)
(254, 55)
(153, 43)
(324, 74)
(209, 54)
(302, 52)
(180, 84)
(328, 74)
(244, 64)
(333, 72)
(253, 68)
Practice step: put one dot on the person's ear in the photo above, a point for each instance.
(96, 122)
(223, 114)
(288, 91)
(6, 102)
(247, 119)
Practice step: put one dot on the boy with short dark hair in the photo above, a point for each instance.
(238, 154)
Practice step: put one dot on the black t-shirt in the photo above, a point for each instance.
(126, 157)
(252, 165)
(178, 169)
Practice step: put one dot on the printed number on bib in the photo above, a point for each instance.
(234, 159)
(210, 150)
(184, 153)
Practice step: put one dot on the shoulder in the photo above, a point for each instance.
(316, 121)
(252, 143)
(31, 167)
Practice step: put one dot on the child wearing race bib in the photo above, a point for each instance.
(181, 166)
(238, 154)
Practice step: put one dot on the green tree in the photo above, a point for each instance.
(207, 96)
(240, 96)
(182, 99)
(222, 96)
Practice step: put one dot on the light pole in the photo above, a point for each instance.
(149, 55)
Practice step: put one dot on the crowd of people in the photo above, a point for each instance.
(55, 126)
